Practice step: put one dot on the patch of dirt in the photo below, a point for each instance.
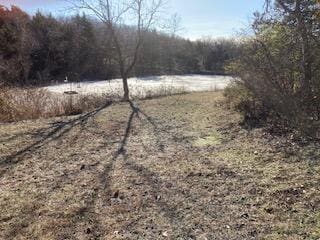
(177, 167)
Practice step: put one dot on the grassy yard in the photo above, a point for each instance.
(178, 167)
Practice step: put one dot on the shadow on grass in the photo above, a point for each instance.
(104, 189)
(152, 179)
(101, 191)
(56, 131)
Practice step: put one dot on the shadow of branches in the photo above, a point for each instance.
(56, 131)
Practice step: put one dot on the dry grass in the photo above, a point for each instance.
(22, 104)
(161, 91)
(177, 167)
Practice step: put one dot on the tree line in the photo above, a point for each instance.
(279, 66)
(42, 48)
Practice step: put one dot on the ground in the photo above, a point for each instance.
(178, 167)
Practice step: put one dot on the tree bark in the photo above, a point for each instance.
(125, 89)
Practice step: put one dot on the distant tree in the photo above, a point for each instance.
(82, 51)
(213, 54)
(118, 16)
(16, 43)
(45, 57)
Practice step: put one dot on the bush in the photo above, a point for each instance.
(241, 99)
(280, 67)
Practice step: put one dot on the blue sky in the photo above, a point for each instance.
(199, 18)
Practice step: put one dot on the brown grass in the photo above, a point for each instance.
(178, 167)
(161, 91)
(21, 104)
(18, 104)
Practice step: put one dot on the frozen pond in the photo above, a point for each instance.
(140, 86)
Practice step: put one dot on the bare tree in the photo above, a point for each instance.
(124, 19)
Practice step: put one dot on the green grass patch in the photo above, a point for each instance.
(215, 138)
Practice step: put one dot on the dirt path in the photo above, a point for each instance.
(171, 168)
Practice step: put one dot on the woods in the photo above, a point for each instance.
(42, 49)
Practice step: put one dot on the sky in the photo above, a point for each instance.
(199, 18)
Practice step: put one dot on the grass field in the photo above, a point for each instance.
(178, 167)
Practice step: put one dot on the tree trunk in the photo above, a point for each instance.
(125, 89)
(306, 65)
(305, 50)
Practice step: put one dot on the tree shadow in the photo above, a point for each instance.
(151, 178)
(174, 213)
(124, 141)
(56, 131)
(103, 187)
(101, 190)
(32, 133)
(157, 129)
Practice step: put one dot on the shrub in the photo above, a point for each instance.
(241, 99)
(280, 67)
